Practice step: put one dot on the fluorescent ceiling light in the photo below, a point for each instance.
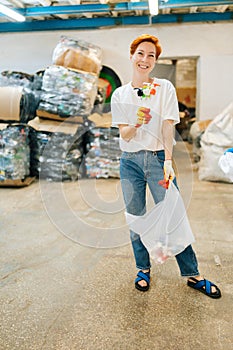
(11, 13)
(153, 7)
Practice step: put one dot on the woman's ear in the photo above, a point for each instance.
(132, 58)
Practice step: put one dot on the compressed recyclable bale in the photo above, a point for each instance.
(19, 96)
(14, 153)
(77, 54)
(61, 157)
(103, 158)
(66, 92)
(57, 150)
(28, 81)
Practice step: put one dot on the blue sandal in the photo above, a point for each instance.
(204, 286)
(143, 276)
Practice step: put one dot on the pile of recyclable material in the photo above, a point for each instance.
(57, 156)
(31, 82)
(77, 54)
(38, 141)
(28, 89)
(14, 153)
(103, 158)
(68, 93)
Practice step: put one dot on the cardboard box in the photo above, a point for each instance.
(51, 116)
(187, 96)
(41, 124)
(17, 183)
(101, 120)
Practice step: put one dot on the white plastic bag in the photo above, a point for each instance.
(217, 137)
(209, 169)
(226, 163)
(165, 230)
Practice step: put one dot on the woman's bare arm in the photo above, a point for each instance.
(168, 135)
(127, 131)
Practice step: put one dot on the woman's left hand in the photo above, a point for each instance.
(169, 173)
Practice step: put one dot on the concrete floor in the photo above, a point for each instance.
(67, 270)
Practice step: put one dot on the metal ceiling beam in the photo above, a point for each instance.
(119, 7)
(189, 3)
(80, 9)
(95, 23)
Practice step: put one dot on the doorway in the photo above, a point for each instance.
(182, 72)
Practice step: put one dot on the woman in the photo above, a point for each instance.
(146, 110)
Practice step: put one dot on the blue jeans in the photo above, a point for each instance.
(137, 169)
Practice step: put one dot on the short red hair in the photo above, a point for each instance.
(146, 37)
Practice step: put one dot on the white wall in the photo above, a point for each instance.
(211, 42)
(216, 84)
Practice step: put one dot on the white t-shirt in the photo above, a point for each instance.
(163, 105)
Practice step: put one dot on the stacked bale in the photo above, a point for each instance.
(103, 158)
(19, 96)
(14, 153)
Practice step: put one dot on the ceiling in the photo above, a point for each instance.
(92, 14)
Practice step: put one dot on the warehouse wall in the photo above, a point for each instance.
(211, 43)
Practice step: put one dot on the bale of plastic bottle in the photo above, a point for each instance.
(20, 92)
(77, 54)
(56, 156)
(14, 153)
(103, 158)
(68, 93)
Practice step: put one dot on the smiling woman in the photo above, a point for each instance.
(146, 110)
(144, 56)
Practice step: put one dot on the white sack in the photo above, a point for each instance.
(209, 169)
(220, 131)
(226, 163)
(217, 138)
(165, 230)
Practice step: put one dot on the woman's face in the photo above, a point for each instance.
(144, 57)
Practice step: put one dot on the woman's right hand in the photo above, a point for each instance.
(143, 116)
(127, 131)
